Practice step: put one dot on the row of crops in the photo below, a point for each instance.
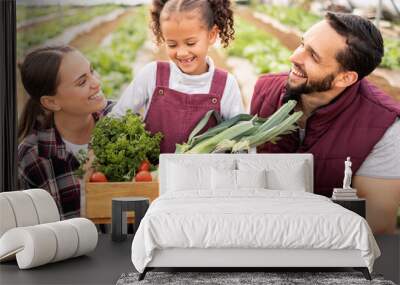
(302, 20)
(290, 16)
(38, 34)
(25, 12)
(265, 52)
(114, 61)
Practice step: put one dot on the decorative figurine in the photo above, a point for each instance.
(345, 193)
(347, 174)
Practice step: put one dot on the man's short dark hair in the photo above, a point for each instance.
(364, 50)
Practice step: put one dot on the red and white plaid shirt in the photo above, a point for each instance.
(44, 162)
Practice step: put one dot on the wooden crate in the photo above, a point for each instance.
(99, 197)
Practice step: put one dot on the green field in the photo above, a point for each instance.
(299, 18)
(40, 33)
(290, 16)
(114, 61)
(265, 52)
(25, 12)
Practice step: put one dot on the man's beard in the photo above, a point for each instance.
(294, 92)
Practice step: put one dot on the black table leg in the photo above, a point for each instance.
(120, 206)
(140, 211)
(116, 228)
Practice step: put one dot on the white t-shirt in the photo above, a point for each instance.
(75, 148)
(140, 91)
(384, 159)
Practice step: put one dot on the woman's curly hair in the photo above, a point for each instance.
(214, 12)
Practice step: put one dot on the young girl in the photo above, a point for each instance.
(65, 101)
(176, 95)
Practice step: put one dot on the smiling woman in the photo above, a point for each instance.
(65, 101)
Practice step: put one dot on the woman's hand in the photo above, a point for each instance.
(87, 167)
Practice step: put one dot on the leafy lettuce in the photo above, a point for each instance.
(121, 144)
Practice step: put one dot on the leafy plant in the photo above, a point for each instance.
(263, 51)
(114, 61)
(391, 59)
(82, 158)
(291, 16)
(42, 32)
(296, 16)
(242, 132)
(121, 144)
(27, 12)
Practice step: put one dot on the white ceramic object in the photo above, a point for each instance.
(23, 208)
(7, 218)
(31, 231)
(45, 205)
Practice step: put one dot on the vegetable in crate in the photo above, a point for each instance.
(144, 165)
(242, 132)
(98, 177)
(121, 145)
(143, 176)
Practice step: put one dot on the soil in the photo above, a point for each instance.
(93, 38)
(83, 42)
(32, 23)
(385, 86)
(291, 41)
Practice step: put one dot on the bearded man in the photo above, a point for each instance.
(343, 114)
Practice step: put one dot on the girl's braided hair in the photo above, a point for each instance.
(213, 12)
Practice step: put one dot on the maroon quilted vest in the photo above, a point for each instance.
(348, 126)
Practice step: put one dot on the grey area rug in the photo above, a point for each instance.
(243, 278)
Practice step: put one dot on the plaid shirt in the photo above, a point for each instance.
(44, 162)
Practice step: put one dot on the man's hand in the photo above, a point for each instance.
(382, 199)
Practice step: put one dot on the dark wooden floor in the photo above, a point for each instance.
(106, 264)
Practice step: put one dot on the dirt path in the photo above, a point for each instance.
(385, 86)
(83, 42)
(32, 23)
(291, 41)
(93, 38)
